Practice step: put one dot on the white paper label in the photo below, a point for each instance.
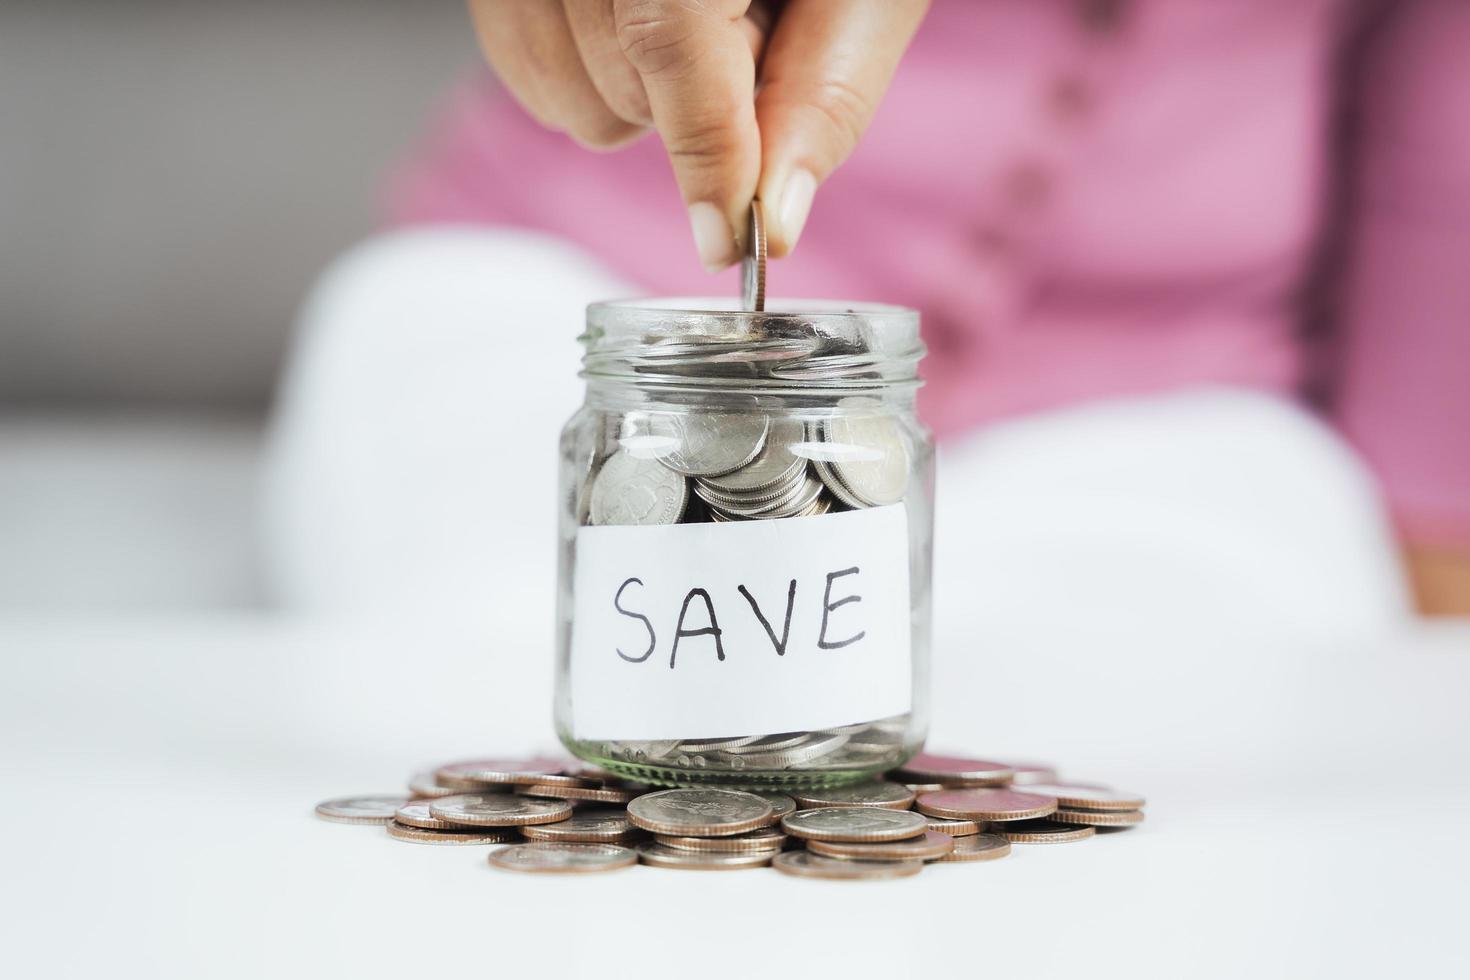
(745, 628)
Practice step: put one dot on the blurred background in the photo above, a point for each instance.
(174, 176)
(179, 185)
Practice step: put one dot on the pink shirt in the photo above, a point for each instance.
(1085, 205)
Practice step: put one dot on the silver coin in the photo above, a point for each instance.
(663, 856)
(855, 823)
(868, 456)
(555, 857)
(776, 466)
(507, 772)
(765, 839)
(806, 496)
(891, 796)
(753, 265)
(498, 810)
(629, 490)
(416, 814)
(586, 827)
(781, 804)
(361, 809)
(708, 443)
(815, 746)
(699, 812)
(805, 864)
(930, 846)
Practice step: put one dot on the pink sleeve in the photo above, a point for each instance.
(1404, 388)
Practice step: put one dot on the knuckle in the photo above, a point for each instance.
(701, 147)
(845, 108)
(653, 35)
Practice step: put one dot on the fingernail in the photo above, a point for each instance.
(796, 201)
(712, 236)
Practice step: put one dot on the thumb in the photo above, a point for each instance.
(698, 69)
(826, 68)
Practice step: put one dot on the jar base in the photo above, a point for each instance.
(774, 779)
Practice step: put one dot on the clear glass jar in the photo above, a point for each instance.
(746, 521)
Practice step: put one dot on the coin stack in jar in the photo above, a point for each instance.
(684, 462)
(560, 816)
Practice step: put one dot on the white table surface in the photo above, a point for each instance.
(1307, 816)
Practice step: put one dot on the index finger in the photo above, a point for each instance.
(699, 72)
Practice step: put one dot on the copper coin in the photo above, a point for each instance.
(360, 809)
(423, 785)
(508, 772)
(953, 771)
(555, 857)
(1098, 818)
(1088, 796)
(599, 795)
(805, 864)
(932, 846)
(860, 824)
(593, 826)
(459, 835)
(986, 804)
(663, 856)
(416, 813)
(765, 839)
(1042, 832)
(954, 828)
(499, 810)
(890, 796)
(978, 847)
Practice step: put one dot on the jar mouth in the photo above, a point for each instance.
(709, 342)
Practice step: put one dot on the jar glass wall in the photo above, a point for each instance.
(745, 533)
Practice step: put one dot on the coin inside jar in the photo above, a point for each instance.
(637, 491)
(891, 796)
(930, 847)
(498, 810)
(555, 857)
(854, 823)
(699, 812)
(805, 864)
(708, 443)
(986, 804)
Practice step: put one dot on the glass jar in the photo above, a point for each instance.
(746, 521)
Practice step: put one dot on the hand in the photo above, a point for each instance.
(603, 71)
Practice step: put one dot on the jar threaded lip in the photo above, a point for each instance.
(685, 342)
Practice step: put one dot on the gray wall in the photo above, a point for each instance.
(173, 175)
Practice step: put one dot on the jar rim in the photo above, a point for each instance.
(631, 312)
(700, 342)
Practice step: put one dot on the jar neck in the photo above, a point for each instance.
(673, 350)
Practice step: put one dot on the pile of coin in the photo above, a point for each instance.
(695, 466)
(560, 816)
